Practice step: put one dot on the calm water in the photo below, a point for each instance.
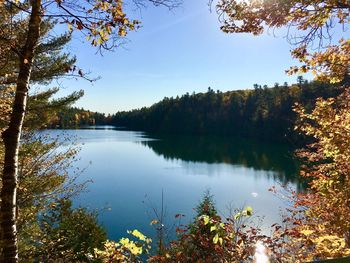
(130, 170)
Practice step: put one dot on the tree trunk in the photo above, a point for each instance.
(347, 238)
(11, 137)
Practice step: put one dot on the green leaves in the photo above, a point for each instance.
(246, 212)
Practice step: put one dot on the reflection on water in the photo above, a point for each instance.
(275, 159)
(128, 168)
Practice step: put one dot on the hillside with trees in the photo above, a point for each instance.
(262, 112)
(72, 117)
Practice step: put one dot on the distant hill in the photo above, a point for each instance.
(72, 117)
(263, 113)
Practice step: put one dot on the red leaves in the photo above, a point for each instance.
(272, 189)
(179, 215)
(180, 231)
(79, 25)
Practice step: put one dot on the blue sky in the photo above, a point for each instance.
(174, 53)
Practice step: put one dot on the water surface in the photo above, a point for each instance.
(130, 170)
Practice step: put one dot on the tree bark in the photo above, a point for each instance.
(11, 137)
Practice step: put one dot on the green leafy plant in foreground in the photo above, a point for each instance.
(125, 250)
(209, 238)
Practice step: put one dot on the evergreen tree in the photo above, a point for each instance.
(262, 113)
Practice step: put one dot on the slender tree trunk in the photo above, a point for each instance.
(11, 137)
(347, 238)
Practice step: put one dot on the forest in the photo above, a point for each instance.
(262, 113)
(72, 117)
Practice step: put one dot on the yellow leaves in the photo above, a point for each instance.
(110, 22)
(109, 252)
(103, 34)
(246, 212)
(330, 245)
(206, 219)
(329, 63)
(15, 2)
(217, 239)
(108, 29)
(252, 16)
(307, 232)
(131, 246)
(7, 97)
(122, 32)
(329, 165)
(104, 5)
(122, 250)
(138, 234)
(70, 27)
(332, 80)
(215, 227)
(324, 245)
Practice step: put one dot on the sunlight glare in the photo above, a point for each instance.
(260, 255)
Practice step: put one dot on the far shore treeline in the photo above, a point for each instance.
(263, 112)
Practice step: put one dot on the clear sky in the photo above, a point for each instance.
(174, 53)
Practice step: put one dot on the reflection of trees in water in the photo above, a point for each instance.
(276, 158)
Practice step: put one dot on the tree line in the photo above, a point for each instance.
(263, 112)
(73, 117)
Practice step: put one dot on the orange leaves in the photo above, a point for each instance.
(103, 23)
(318, 20)
(252, 15)
(330, 64)
(75, 24)
(328, 165)
(154, 222)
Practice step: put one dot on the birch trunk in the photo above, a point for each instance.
(11, 137)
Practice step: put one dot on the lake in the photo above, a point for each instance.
(130, 171)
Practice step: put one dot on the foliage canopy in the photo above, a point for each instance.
(311, 25)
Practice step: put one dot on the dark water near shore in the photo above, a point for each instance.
(130, 170)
